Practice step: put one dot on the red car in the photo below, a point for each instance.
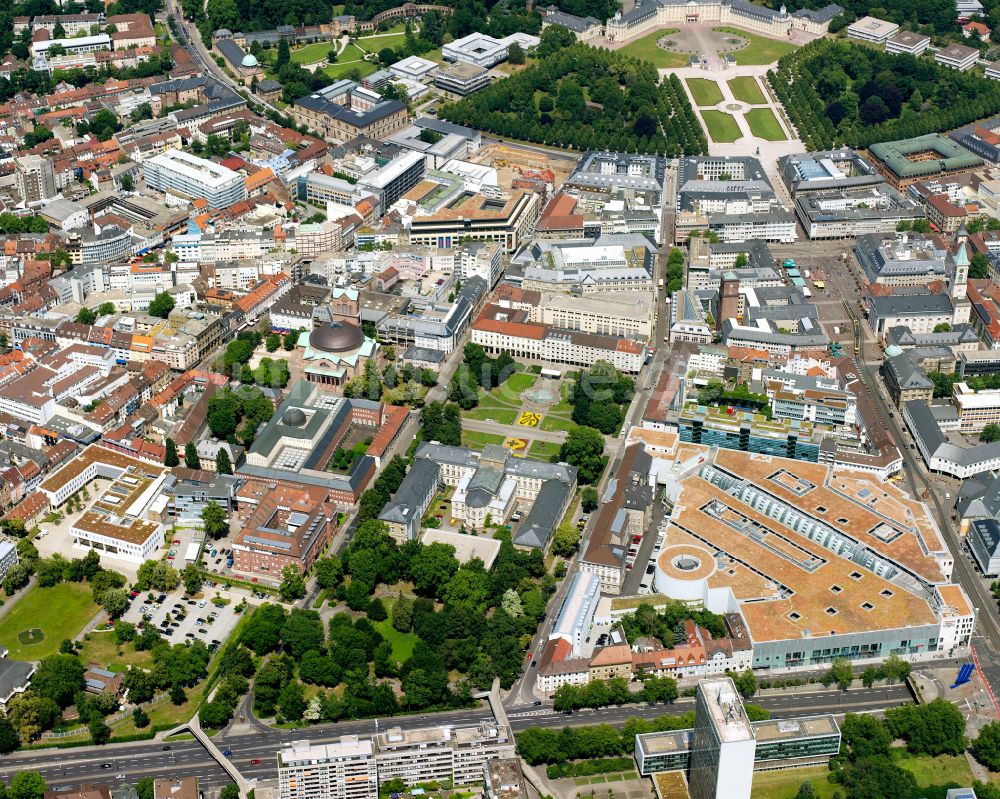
(255, 762)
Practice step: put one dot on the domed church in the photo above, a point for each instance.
(335, 352)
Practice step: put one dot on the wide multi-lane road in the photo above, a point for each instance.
(64, 767)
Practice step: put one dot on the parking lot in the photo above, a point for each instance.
(180, 542)
(186, 619)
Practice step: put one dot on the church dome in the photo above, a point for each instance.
(250, 61)
(337, 337)
(893, 350)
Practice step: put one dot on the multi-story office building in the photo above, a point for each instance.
(341, 770)
(722, 743)
(872, 29)
(733, 197)
(477, 217)
(749, 432)
(976, 409)
(462, 78)
(780, 744)
(181, 173)
(34, 179)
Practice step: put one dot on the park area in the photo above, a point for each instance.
(705, 92)
(648, 49)
(764, 124)
(758, 50)
(747, 90)
(45, 617)
(722, 127)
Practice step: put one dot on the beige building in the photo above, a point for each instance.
(976, 409)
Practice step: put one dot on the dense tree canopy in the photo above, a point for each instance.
(586, 97)
(837, 92)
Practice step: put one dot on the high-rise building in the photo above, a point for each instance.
(342, 770)
(34, 178)
(186, 175)
(723, 743)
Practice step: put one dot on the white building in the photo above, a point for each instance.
(442, 754)
(415, 68)
(340, 770)
(485, 51)
(576, 616)
(180, 173)
(723, 743)
(908, 42)
(124, 520)
(957, 56)
(872, 29)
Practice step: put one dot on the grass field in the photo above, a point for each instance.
(747, 90)
(647, 49)
(342, 70)
(60, 612)
(102, 650)
(933, 775)
(704, 91)
(379, 42)
(761, 50)
(519, 382)
(942, 770)
(312, 53)
(722, 127)
(543, 450)
(785, 784)
(402, 643)
(764, 124)
(479, 440)
(552, 423)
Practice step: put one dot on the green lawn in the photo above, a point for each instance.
(761, 49)
(543, 450)
(764, 124)
(932, 775)
(520, 381)
(647, 49)
(402, 643)
(312, 53)
(476, 440)
(491, 413)
(59, 612)
(785, 784)
(102, 650)
(376, 43)
(721, 126)
(747, 90)
(704, 91)
(552, 423)
(942, 770)
(343, 69)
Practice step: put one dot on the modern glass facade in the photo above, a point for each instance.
(747, 439)
(784, 743)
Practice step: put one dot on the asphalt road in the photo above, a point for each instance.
(188, 758)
